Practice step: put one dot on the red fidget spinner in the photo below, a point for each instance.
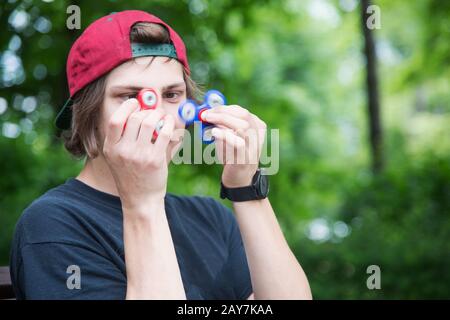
(148, 99)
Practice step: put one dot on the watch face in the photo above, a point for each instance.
(263, 185)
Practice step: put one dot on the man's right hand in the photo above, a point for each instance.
(139, 167)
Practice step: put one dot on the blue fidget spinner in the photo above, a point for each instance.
(189, 111)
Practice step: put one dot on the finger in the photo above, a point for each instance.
(227, 120)
(228, 137)
(261, 133)
(232, 146)
(131, 132)
(234, 110)
(226, 153)
(253, 146)
(220, 150)
(148, 125)
(118, 119)
(165, 135)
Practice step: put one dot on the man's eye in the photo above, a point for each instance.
(129, 96)
(172, 95)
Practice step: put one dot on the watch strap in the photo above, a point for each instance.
(246, 193)
(239, 194)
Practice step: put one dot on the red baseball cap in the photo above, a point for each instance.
(104, 45)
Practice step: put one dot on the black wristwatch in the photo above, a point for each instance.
(259, 189)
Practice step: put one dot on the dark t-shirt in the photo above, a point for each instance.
(77, 225)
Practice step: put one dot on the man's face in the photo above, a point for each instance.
(165, 77)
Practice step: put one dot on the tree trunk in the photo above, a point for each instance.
(373, 102)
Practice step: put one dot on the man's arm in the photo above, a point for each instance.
(274, 270)
(152, 266)
(140, 171)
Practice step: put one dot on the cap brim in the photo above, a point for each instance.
(64, 117)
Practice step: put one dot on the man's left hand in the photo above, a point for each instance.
(239, 137)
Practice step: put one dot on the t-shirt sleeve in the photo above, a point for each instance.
(67, 271)
(235, 271)
(52, 258)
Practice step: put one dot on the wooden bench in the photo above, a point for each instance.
(6, 290)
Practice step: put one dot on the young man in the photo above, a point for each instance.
(113, 232)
